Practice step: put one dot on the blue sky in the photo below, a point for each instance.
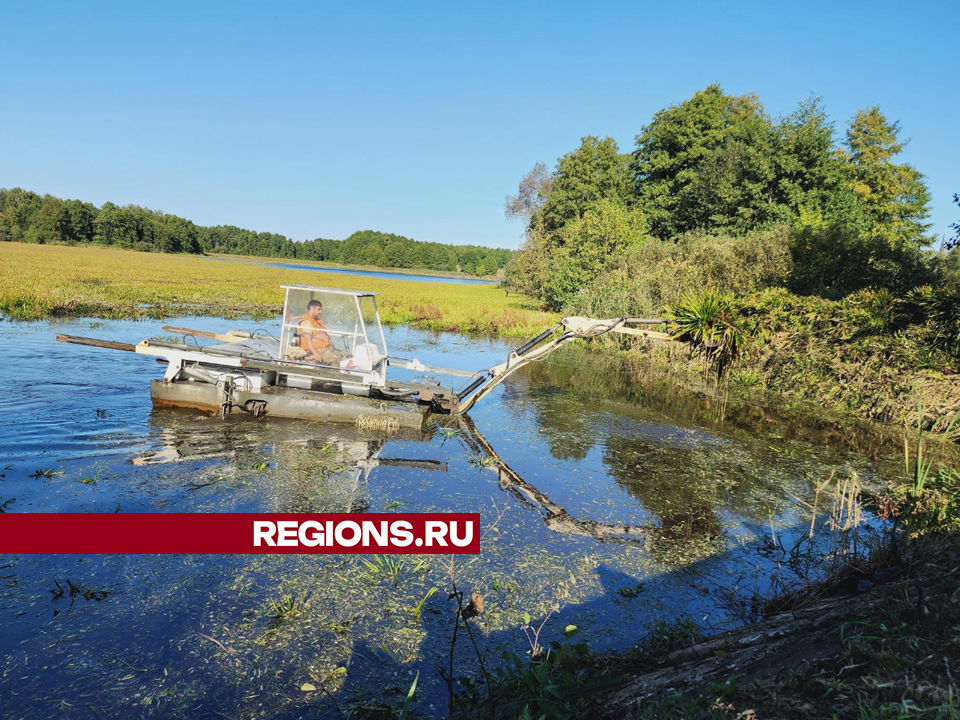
(318, 119)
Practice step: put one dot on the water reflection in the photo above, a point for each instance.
(590, 379)
(347, 456)
(318, 466)
(555, 517)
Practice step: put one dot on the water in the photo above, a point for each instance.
(590, 446)
(384, 274)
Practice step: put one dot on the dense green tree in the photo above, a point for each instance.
(672, 148)
(577, 256)
(82, 216)
(733, 189)
(893, 196)
(810, 173)
(594, 171)
(850, 217)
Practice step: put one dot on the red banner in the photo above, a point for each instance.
(239, 533)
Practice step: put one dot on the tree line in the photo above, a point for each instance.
(29, 217)
(849, 213)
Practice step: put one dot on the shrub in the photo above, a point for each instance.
(834, 259)
(941, 308)
(646, 279)
(706, 322)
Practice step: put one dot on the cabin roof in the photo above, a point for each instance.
(337, 291)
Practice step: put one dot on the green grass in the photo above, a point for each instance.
(49, 281)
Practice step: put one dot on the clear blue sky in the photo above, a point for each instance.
(318, 119)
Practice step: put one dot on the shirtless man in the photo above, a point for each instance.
(312, 344)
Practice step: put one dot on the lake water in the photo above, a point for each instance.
(558, 461)
(385, 274)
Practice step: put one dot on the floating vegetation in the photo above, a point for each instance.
(38, 473)
(396, 504)
(631, 592)
(786, 452)
(450, 434)
(483, 461)
(288, 606)
(77, 590)
(95, 479)
(44, 281)
(393, 567)
(5, 505)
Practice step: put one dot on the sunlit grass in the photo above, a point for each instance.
(43, 281)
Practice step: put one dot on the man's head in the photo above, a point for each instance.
(314, 308)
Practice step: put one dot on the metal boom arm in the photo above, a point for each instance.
(573, 328)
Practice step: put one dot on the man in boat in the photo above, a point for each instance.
(311, 343)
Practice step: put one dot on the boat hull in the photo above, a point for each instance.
(291, 403)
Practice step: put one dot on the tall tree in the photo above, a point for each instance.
(811, 174)
(594, 171)
(733, 188)
(672, 148)
(893, 196)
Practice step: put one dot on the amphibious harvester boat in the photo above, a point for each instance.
(330, 362)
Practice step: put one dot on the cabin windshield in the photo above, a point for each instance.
(337, 328)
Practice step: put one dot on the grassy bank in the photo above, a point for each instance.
(869, 355)
(41, 281)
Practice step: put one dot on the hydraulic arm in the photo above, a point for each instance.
(538, 347)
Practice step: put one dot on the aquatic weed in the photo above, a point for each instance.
(116, 283)
(94, 479)
(51, 473)
(483, 461)
(288, 606)
(392, 567)
(77, 590)
(419, 608)
(397, 504)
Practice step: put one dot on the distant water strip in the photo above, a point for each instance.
(369, 273)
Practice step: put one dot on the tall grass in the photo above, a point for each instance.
(44, 281)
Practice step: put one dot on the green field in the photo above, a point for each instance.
(46, 281)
